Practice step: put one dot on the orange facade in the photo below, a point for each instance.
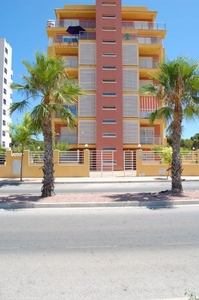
(111, 57)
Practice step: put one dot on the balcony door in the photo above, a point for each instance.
(146, 135)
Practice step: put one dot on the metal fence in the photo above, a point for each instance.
(71, 156)
(2, 158)
(158, 156)
(36, 158)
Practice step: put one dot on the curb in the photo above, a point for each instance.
(91, 182)
(149, 204)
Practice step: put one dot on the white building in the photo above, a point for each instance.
(5, 91)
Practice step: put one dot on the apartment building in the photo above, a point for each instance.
(111, 50)
(5, 91)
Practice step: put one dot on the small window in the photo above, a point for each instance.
(109, 121)
(5, 71)
(4, 133)
(109, 107)
(5, 80)
(109, 148)
(109, 41)
(4, 101)
(6, 61)
(108, 3)
(109, 134)
(4, 112)
(4, 91)
(109, 162)
(109, 28)
(108, 16)
(4, 123)
(10, 96)
(6, 50)
(109, 80)
(109, 94)
(3, 144)
(109, 54)
(108, 68)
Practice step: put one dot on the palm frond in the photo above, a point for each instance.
(164, 113)
(21, 106)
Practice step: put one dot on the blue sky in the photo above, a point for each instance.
(23, 24)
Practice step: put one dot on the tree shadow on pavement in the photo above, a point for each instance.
(18, 201)
(159, 200)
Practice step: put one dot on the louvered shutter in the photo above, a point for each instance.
(130, 79)
(87, 106)
(129, 54)
(87, 53)
(87, 78)
(130, 105)
(130, 132)
(87, 132)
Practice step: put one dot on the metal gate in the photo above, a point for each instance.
(102, 162)
(129, 162)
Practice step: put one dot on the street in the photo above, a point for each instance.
(95, 254)
(100, 187)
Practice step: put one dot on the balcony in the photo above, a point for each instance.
(143, 25)
(151, 140)
(148, 64)
(71, 63)
(66, 139)
(64, 23)
(142, 39)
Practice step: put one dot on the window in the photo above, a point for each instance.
(4, 112)
(109, 134)
(6, 50)
(109, 28)
(4, 123)
(108, 68)
(109, 41)
(108, 3)
(10, 96)
(5, 80)
(109, 80)
(109, 94)
(108, 16)
(5, 71)
(109, 107)
(109, 121)
(6, 61)
(3, 144)
(4, 91)
(4, 101)
(4, 133)
(72, 108)
(109, 148)
(108, 54)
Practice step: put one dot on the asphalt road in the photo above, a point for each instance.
(95, 254)
(60, 188)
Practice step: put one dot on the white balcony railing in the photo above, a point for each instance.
(151, 140)
(147, 64)
(144, 25)
(66, 139)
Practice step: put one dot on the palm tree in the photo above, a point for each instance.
(47, 81)
(176, 85)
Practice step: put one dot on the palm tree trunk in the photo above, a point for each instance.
(176, 166)
(48, 169)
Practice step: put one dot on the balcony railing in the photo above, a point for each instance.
(88, 35)
(66, 139)
(147, 64)
(144, 25)
(152, 140)
(71, 63)
(65, 23)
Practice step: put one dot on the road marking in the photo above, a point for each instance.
(181, 243)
